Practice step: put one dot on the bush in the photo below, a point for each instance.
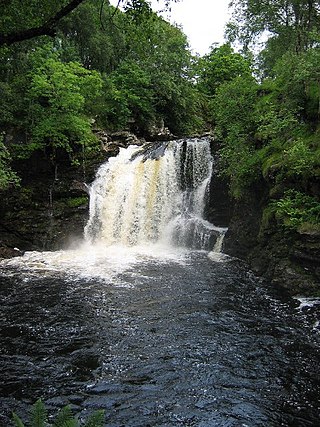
(7, 175)
(296, 209)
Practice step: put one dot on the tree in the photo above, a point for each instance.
(13, 29)
(7, 175)
(15, 32)
(39, 418)
(222, 64)
(235, 119)
(132, 97)
(148, 78)
(293, 23)
(61, 104)
(100, 44)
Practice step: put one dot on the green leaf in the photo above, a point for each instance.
(17, 421)
(65, 418)
(38, 414)
(95, 420)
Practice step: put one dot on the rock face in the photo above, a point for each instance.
(220, 207)
(36, 216)
(50, 209)
(6, 252)
(111, 143)
(289, 260)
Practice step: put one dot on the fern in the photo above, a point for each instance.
(95, 420)
(65, 418)
(38, 414)
(17, 421)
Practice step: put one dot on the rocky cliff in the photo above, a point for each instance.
(290, 260)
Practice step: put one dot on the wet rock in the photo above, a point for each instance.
(151, 150)
(220, 206)
(138, 380)
(112, 142)
(293, 278)
(244, 227)
(125, 138)
(82, 186)
(290, 261)
(57, 401)
(85, 359)
(159, 132)
(75, 399)
(6, 252)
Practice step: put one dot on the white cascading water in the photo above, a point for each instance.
(145, 204)
(142, 197)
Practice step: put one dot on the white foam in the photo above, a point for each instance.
(93, 261)
(307, 302)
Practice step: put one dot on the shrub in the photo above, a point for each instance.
(296, 209)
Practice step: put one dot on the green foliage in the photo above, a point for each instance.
(133, 84)
(95, 420)
(13, 11)
(60, 98)
(296, 209)
(233, 109)
(7, 176)
(131, 69)
(235, 128)
(75, 202)
(269, 129)
(221, 65)
(115, 69)
(291, 24)
(17, 421)
(242, 165)
(22, 21)
(38, 414)
(64, 418)
(99, 44)
(298, 159)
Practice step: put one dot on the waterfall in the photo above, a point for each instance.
(154, 195)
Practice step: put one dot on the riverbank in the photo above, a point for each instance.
(288, 259)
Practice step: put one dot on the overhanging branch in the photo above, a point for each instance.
(48, 28)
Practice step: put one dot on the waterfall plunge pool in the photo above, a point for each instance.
(185, 340)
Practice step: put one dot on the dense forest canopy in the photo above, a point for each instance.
(83, 65)
(40, 18)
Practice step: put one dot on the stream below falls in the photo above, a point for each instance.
(180, 338)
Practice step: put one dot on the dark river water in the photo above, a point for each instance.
(188, 341)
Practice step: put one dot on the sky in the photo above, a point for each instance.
(203, 21)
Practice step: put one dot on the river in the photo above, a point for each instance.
(180, 339)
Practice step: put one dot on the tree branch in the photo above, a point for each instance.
(48, 28)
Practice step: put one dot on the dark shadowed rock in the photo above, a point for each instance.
(6, 252)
